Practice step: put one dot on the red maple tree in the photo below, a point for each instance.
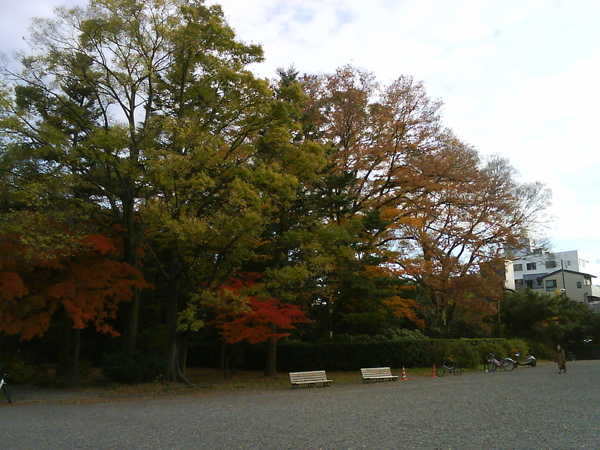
(243, 316)
(88, 284)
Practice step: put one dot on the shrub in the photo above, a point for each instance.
(541, 351)
(465, 354)
(19, 368)
(495, 346)
(136, 369)
(517, 345)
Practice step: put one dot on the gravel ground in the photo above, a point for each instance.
(527, 408)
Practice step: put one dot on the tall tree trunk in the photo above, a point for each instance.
(223, 358)
(131, 311)
(131, 244)
(173, 372)
(228, 358)
(271, 367)
(64, 354)
(75, 353)
(68, 358)
(183, 343)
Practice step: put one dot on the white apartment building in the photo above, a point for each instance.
(567, 272)
(528, 268)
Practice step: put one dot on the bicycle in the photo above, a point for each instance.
(450, 367)
(492, 363)
(4, 388)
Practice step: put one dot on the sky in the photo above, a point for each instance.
(518, 78)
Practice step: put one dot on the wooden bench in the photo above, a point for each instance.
(309, 378)
(377, 374)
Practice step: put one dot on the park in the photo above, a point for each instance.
(165, 208)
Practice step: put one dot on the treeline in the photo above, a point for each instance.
(158, 193)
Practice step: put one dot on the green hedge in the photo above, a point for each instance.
(347, 356)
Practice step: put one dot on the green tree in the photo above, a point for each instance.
(211, 109)
(544, 318)
(113, 92)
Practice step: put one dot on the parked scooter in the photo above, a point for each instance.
(529, 361)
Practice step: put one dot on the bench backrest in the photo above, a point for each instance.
(303, 377)
(376, 372)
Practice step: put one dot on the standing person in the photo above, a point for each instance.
(560, 359)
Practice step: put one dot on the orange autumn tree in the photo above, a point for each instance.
(399, 301)
(443, 211)
(88, 285)
(81, 285)
(243, 315)
(379, 138)
(458, 233)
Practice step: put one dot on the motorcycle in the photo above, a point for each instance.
(529, 361)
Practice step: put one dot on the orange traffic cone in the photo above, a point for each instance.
(433, 374)
(403, 375)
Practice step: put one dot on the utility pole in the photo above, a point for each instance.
(562, 270)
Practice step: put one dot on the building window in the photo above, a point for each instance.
(579, 285)
(531, 266)
(517, 267)
(550, 285)
(587, 281)
(550, 264)
(519, 284)
(529, 284)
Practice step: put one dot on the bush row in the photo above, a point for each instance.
(343, 355)
(299, 356)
